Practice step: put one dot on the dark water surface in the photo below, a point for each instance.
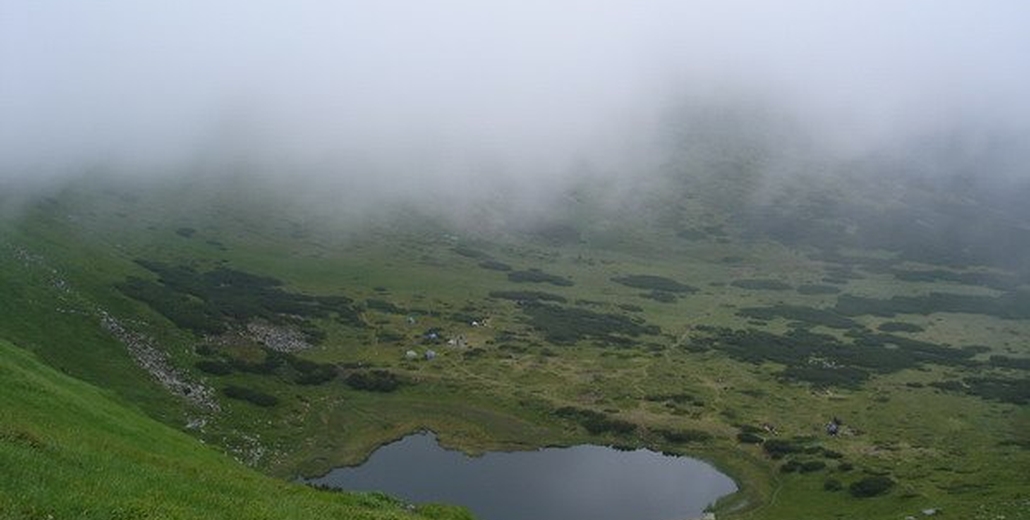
(581, 482)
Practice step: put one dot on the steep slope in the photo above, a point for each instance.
(69, 451)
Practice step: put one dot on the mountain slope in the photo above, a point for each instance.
(69, 451)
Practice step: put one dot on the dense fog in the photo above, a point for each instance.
(514, 102)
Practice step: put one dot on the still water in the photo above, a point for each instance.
(581, 482)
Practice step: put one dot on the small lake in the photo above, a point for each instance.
(581, 482)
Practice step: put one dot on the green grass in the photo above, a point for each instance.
(944, 449)
(70, 451)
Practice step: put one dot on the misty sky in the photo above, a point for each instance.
(455, 91)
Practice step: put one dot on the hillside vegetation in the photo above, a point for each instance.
(68, 450)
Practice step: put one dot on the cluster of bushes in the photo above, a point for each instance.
(528, 296)
(297, 370)
(1015, 391)
(374, 381)
(684, 436)
(1013, 305)
(566, 325)
(825, 360)
(1010, 362)
(250, 395)
(383, 306)
(759, 284)
(807, 466)
(871, 486)
(660, 296)
(1001, 282)
(814, 316)
(654, 283)
(538, 276)
(596, 422)
(209, 302)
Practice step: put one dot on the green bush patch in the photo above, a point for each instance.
(654, 283)
(871, 486)
(566, 325)
(824, 317)
(382, 381)
(250, 395)
(817, 288)
(538, 276)
(596, 422)
(209, 302)
(757, 284)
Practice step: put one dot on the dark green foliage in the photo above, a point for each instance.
(660, 296)
(596, 422)
(567, 325)
(1010, 362)
(182, 310)
(538, 276)
(1012, 305)
(310, 372)
(383, 306)
(900, 326)
(810, 466)
(749, 438)
(997, 281)
(1015, 391)
(528, 296)
(778, 448)
(217, 368)
(825, 317)
(286, 366)
(685, 436)
(815, 288)
(373, 381)
(830, 454)
(824, 360)
(629, 307)
(827, 376)
(791, 466)
(494, 265)
(250, 395)
(208, 302)
(755, 284)
(832, 484)
(845, 466)
(871, 486)
(654, 283)
(185, 232)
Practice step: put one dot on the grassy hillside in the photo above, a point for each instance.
(69, 451)
(684, 328)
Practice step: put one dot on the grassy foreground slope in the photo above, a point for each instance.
(69, 451)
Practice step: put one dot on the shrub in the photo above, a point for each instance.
(216, 368)
(250, 395)
(871, 486)
(374, 381)
(749, 438)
